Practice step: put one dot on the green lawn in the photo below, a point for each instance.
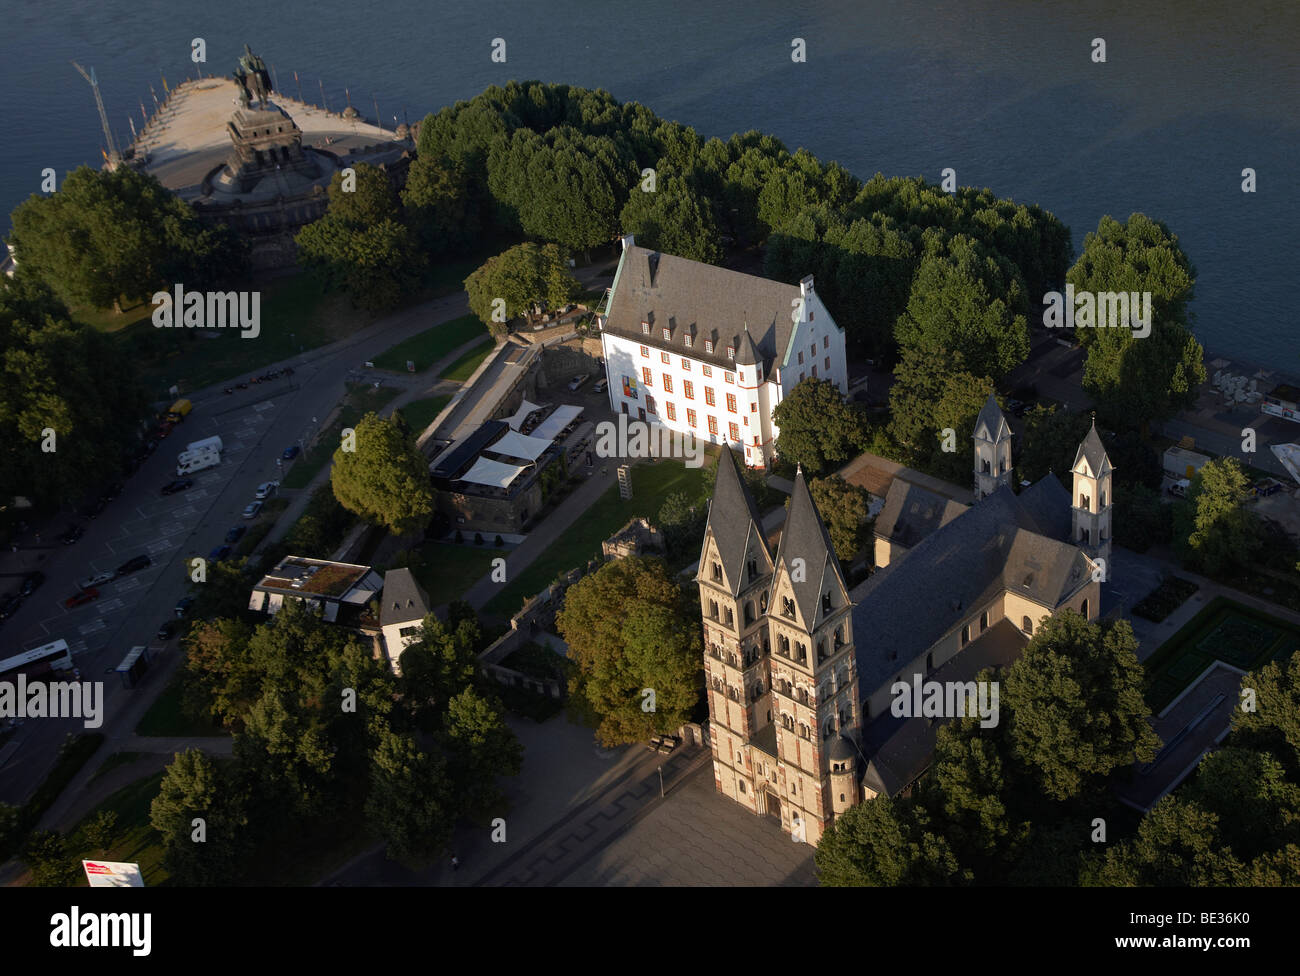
(651, 484)
(463, 368)
(360, 400)
(447, 571)
(1225, 631)
(167, 716)
(294, 315)
(115, 760)
(419, 414)
(431, 345)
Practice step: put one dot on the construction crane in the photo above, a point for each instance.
(113, 157)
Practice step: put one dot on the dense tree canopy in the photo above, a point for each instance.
(886, 842)
(818, 428)
(1139, 380)
(935, 392)
(844, 509)
(104, 237)
(361, 245)
(1213, 529)
(1077, 708)
(1051, 441)
(524, 278)
(630, 628)
(64, 378)
(385, 480)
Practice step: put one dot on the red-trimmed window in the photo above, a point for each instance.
(672, 411)
(645, 328)
(664, 358)
(729, 377)
(689, 387)
(690, 416)
(713, 425)
(668, 383)
(734, 432)
(645, 376)
(708, 370)
(708, 396)
(731, 402)
(686, 365)
(645, 352)
(650, 404)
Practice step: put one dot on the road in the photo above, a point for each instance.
(255, 425)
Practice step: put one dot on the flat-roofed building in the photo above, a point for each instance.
(329, 586)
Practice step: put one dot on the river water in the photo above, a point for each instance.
(1004, 92)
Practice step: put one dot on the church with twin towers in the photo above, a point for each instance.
(799, 669)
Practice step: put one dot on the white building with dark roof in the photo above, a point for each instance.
(402, 610)
(704, 350)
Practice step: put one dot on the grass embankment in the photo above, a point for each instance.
(431, 345)
(419, 414)
(76, 752)
(652, 482)
(167, 716)
(463, 368)
(446, 571)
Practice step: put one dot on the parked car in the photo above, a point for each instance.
(183, 605)
(99, 579)
(1267, 487)
(73, 533)
(82, 598)
(251, 509)
(601, 386)
(180, 484)
(9, 606)
(134, 564)
(219, 553)
(266, 489)
(1179, 488)
(235, 534)
(578, 380)
(167, 631)
(291, 452)
(32, 582)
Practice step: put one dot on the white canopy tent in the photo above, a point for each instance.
(550, 428)
(519, 446)
(521, 414)
(492, 473)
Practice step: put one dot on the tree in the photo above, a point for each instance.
(933, 393)
(1177, 844)
(481, 747)
(108, 235)
(100, 830)
(1051, 440)
(70, 399)
(385, 480)
(194, 787)
(844, 509)
(885, 842)
(518, 280)
(817, 427)
(1257, 807)
(633, 636)
(960, 302)
(1270, 717)
(436, 666)
(1142, 519)
(1077, 709)
(222, 680)
(438, 204)
(361, 245)
(673, 219)
(52, 864)
(682, 523)
(411, 800)
(1140, 379)
(1213, 530)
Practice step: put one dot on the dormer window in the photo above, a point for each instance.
(717, 572)
(708, 345)
(826, 602)
(687, 339)
(645, 327)
(731, 352)
(787, 607)
(753, 569)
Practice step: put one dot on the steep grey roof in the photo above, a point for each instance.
(992, 420)
(903, 609)
(1048, 503)
(805, 537)
(747, 353)
(842, 749)
(734, 520)
(1092, 449)
(402, 600)
(911, 513)
(700, 299)
(899, 749)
